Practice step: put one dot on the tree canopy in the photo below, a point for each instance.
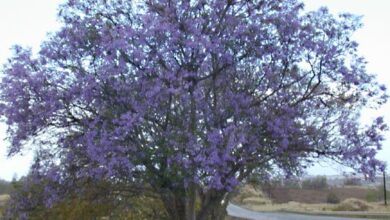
(190, 97)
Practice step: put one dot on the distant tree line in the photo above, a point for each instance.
(319, 182)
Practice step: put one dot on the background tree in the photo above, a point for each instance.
(318, 182)
(191, 97)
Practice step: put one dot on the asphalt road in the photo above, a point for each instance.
(236, 211)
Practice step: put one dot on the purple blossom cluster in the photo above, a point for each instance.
(188, 95)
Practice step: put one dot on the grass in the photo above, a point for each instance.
(353, 204)
(284, 195)
(304, 207)
(253, 199)
(250, 195)
(346, 208)
(3, 200)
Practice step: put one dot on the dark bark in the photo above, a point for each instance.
(211, 206)
(190, 200)
(182, 206)
(173, 204)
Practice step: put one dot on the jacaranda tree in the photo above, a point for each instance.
(190, 97)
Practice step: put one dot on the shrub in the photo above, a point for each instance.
(94, 202)
(352, 204)
(332, 198)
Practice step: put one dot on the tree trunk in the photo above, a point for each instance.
(190, 200)
(213, 206)
(182, 206)
(174, 207)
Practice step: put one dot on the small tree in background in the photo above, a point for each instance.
(332, 198)
(319, 182)
(190, 97)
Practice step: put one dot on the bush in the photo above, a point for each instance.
(319, 182)
(332, 198)
(352, 204)
(141, 207)
(93, 202)
(27, 201)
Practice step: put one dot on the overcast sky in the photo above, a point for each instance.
(26, 22)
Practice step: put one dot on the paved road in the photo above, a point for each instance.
(237, 211)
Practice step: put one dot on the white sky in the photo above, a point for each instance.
(26, 22)
(23, 22)
(374, 45)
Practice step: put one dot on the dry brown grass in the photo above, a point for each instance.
(4, 199)
(353, 204)
(247, 191)
(290, 206)
(284, 195)
(309, 201)
(349, 205)
(249, 195)
(256, 201)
